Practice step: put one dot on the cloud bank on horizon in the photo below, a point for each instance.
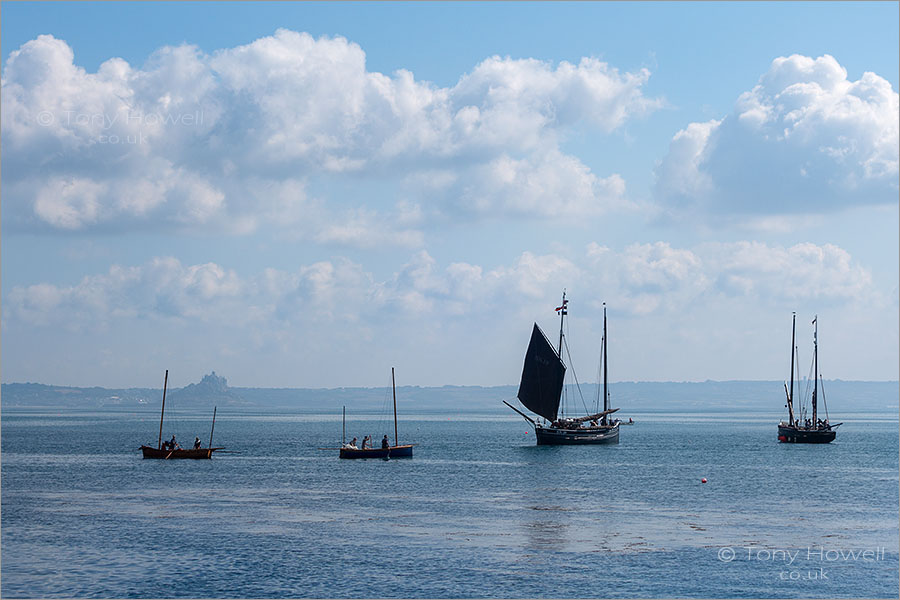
(644, 278)
(255, 138)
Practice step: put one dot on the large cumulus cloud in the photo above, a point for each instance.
(196, 140)
(804, 140)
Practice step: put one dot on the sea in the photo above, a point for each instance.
(479, 512)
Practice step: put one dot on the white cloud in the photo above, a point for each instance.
(804, 140)
(642, 279)
(804, 270)
(163, 288)
(516, 98)
(193, 140)
(550, 185)
(647, 278)
(69, 204)
(650, 274)
(705, 300)
(367, 229)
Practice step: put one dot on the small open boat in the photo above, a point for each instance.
(165, 453)
(395, 451)
(150, 452)
(389, 452)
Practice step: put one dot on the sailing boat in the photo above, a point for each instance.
(541, 390)
(798, 430)
(164, 453)
(395, 451)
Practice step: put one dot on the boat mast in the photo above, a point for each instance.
(815, 366)
(343, 424)
(562, 316)
(163, 411)
(605, 368)
(790, 399)
(394, 387)
(213, 428)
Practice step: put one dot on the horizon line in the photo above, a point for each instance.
(438, 386)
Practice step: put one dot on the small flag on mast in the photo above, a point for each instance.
(563, 307)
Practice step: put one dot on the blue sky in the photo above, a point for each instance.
(345, 187)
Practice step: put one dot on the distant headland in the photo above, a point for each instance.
(766, 396)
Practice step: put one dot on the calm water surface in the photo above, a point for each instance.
(479, 512)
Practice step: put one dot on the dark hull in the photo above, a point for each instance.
(392, 452)
(200, 453)
(795, 435)
(551, 436)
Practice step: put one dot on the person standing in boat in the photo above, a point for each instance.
(365, 442)
(384, 442)
(173, 444)
(197, 443)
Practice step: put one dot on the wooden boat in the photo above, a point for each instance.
(541, 387)
(150, 452)
(405, 451)
(798, 429)
(190, 453)
(395, 451)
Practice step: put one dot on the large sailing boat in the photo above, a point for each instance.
(540, 391)
(799, 429)
(177, 452)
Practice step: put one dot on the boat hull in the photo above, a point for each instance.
(191, 453)
(796, 435)
(552, 436)
(391, 452)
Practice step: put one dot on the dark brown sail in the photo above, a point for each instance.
(542, 377)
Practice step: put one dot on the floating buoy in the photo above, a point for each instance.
(703, 480)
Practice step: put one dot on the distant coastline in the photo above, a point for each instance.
(843, 397)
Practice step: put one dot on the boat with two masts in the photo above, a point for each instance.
(176, 453)
(395, 451)
(799, 429)
(541, 388)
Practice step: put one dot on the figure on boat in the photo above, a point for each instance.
(386, 450)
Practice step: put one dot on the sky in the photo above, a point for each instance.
(308, 194)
